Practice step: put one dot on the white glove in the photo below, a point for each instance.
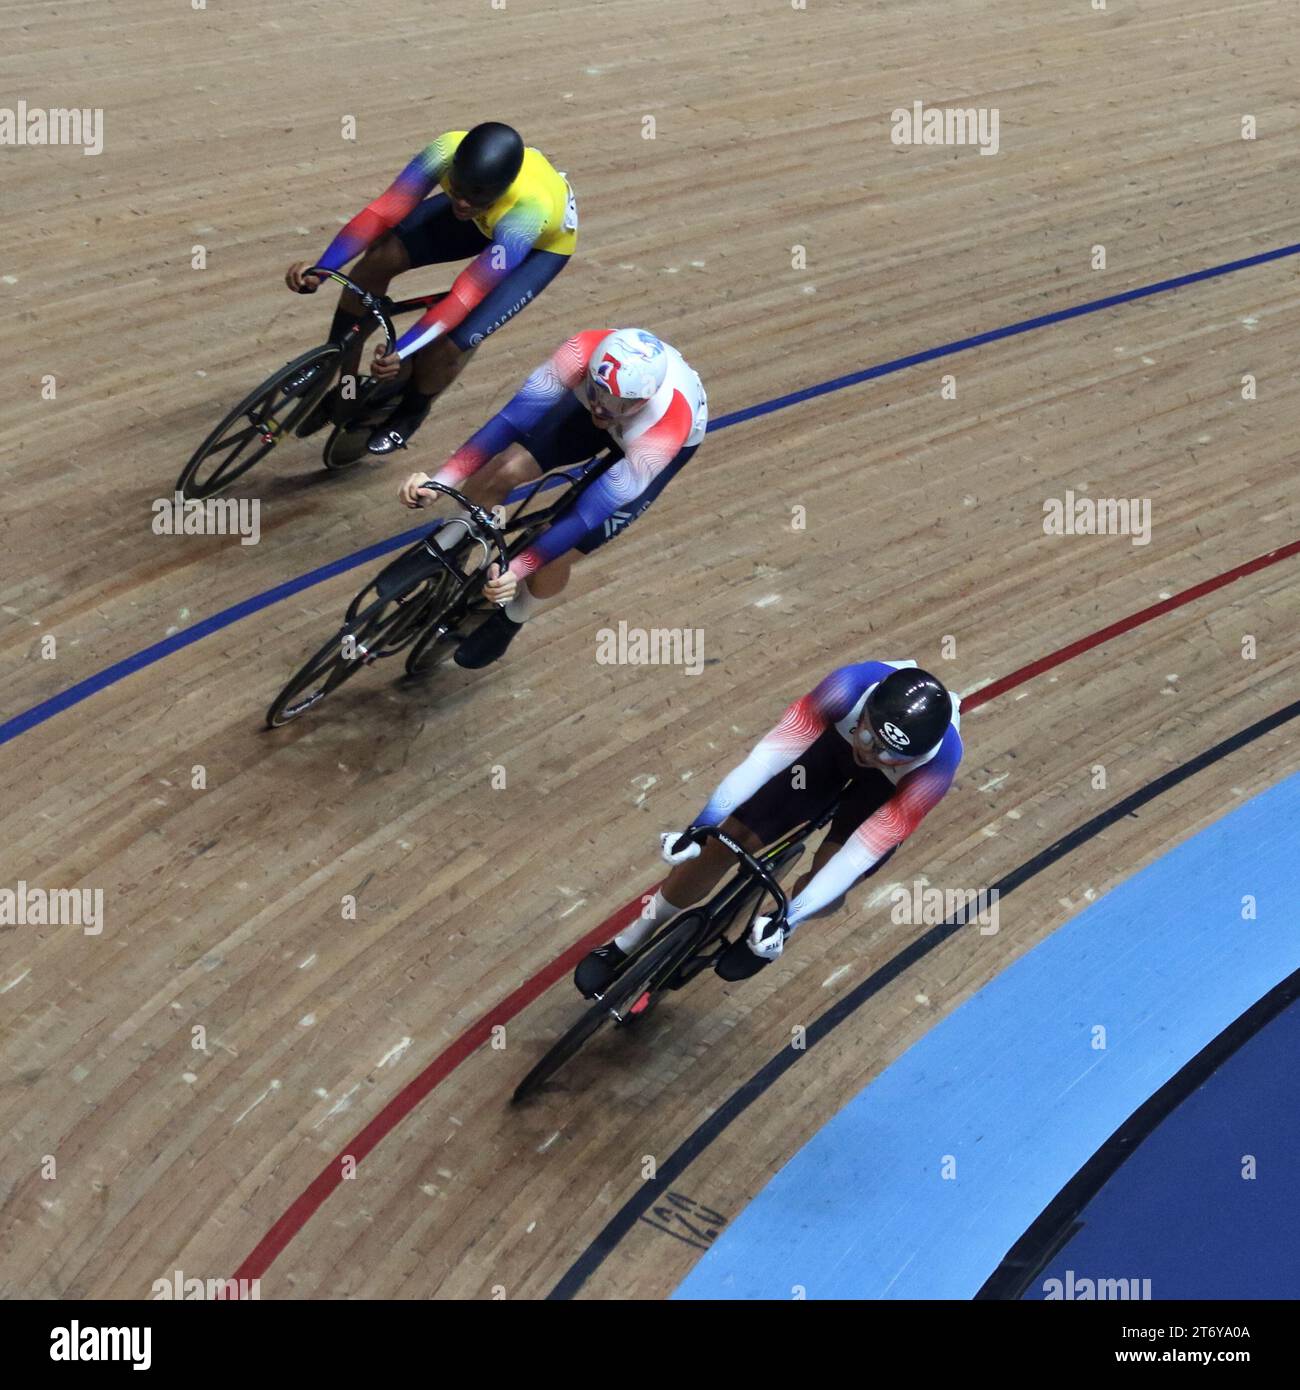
(670, 838)
(766, 947)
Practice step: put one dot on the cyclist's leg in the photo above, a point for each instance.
(694, 880)
(438, 365)
(564, 436)
(497, 479)
(868, 792)
(830, 777)
(430, 234)
(442, 361)
(688, 884)
(385, 259)
(490, 485)
(777, 807)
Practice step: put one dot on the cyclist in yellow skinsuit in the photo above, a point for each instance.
(503, 204)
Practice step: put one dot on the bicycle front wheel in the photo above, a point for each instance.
(628, 997)
(377, 631)
(257, 424)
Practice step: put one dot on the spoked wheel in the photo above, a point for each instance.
(379, 630)
(258, 423)
(628, 998)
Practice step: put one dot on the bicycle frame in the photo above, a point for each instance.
(483, 530)
(487, 532)
(379, 306)
(718, 913)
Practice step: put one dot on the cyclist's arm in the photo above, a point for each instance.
(800, 727)
(409, 188)
(514, 237)
(915, 796)
(645, 459)
(525, 408)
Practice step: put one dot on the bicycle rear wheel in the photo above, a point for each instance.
(257, 424)
(621, 1002)
(346, 443)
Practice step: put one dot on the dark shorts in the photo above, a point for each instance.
(778, 806)
(567, 435)
(432, 235)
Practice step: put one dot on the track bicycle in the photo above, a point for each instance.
(277, 409)
(431, 596)
(693, 941)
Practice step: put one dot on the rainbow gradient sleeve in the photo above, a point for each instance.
(409, 188)
(512, 239)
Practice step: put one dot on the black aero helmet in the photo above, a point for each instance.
(487, 161)
(909, 712)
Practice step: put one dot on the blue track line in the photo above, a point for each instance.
(82, 690)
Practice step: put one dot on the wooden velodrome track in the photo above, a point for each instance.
(924, 519)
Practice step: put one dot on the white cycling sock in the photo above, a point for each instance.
(655, 913)
(525, 604)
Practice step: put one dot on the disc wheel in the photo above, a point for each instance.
(345, 446)
(257, 424)
(439, 639)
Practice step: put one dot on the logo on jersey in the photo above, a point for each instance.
(895, 735)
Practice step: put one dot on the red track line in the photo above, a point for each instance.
(1144, 615)
(401, 1105)
(309, 1201)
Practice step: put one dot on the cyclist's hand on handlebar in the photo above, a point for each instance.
(677, 846)
(414, 492)
(766, 938)
(300, 283)
(384, 366)
(500, 588)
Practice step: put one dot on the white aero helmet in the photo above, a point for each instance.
(629, 364)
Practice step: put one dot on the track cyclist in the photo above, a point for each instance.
(881, 736)
(624, 392)
(497, 201)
